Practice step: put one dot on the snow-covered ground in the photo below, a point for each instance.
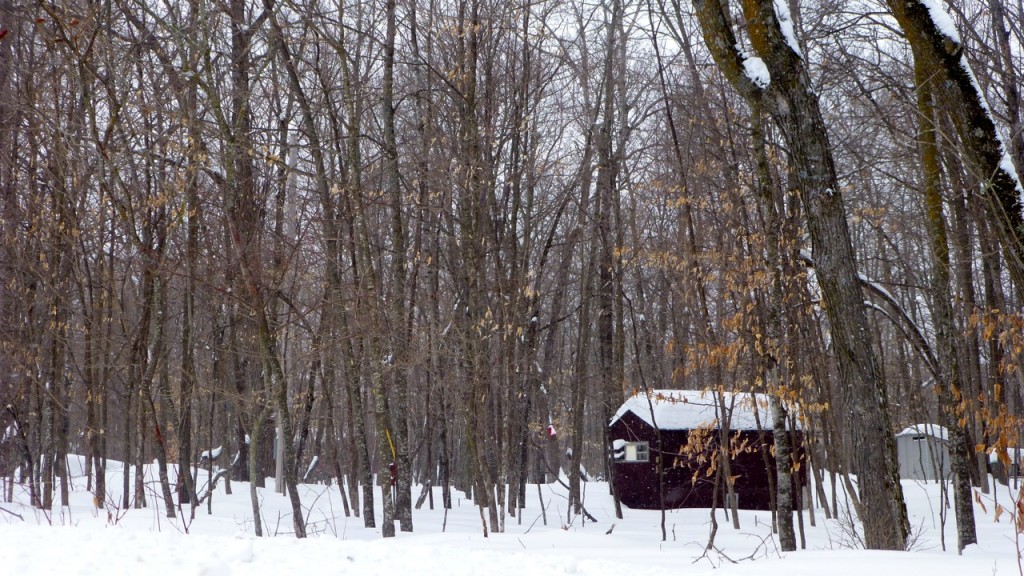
(81, 540)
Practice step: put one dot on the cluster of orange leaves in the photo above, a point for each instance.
(1000, 426)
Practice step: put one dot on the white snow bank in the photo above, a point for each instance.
(79, 540)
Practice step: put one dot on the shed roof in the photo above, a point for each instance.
(690, 409)
(935, 430)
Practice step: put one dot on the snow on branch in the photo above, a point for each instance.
(943, 23)
(310, 468)
(785, 19)
(211, 454)
(756, 70)
(904, 322)
(945, 26)
(889, 307)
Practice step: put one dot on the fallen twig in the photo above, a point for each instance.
(15, 514)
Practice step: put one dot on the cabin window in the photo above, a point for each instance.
(632, 451)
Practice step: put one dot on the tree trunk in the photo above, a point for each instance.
(771, 206)
(279, 388)
(254, 468)
(784, 475)
(387, 474)
(794, 107)
(950, 394)
(361, 437)
(956, 93)
(402, 326)
(158, 411)
(1011, 82)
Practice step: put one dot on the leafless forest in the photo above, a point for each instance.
(441, 240)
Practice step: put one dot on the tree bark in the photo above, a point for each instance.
(607, 200)
(794, 107)
(401, 331)
(949, 379)
(956, 93)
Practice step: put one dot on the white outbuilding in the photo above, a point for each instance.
(923, 452)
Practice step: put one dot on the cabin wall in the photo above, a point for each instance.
(688, 478)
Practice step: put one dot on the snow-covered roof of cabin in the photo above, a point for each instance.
(926, 429)
(690, 409)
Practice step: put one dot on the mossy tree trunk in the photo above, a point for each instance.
(794, 107)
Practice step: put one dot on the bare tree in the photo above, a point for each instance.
(787, 97)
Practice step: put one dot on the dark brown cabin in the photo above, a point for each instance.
(689, 438)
